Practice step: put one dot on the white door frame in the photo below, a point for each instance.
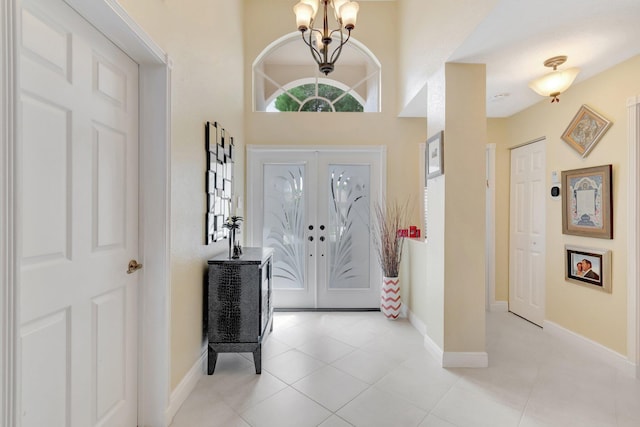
(633, 266)
(154, 294)
(491, 304)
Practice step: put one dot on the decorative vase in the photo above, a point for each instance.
(390, 301)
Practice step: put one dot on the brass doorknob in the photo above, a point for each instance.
(133, 266)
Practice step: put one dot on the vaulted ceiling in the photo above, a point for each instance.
(515, 38)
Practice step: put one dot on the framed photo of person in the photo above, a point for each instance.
(588, 267)
(587, 202)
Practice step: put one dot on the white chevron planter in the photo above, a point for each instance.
(390, 301)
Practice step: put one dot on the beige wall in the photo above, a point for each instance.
(464, 249)
(376, 29)
(599, 316)
(455, 252)
(204, 41)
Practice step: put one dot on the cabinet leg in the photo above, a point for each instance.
(211, 361)
(257, 358)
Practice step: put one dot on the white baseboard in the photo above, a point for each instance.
(448, 359)
(404, 311)
(593, 348)
(186, 386)
(499, 307)
(463, 359)
(417, 323)
(433, 348)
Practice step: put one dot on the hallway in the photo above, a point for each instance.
(358, 369)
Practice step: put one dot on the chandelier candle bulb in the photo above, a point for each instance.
(304, 14)
(314, 5)
(349, 14)
(337, 4)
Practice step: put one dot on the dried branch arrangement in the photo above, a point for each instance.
(390, 217)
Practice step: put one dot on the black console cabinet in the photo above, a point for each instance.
(239, 304)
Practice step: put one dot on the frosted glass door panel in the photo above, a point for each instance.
(284, 222)
(313, 207)
(348, 227)
(349, 185)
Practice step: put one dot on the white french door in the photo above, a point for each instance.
(313, 206)
(527, 232)
(78, 98)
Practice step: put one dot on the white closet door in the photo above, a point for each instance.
(527, 232)
(79, 225)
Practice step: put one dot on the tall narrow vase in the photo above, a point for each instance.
(390, 301)
(232, 238)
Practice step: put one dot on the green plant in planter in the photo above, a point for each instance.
(233, 222)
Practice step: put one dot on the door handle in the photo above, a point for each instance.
(133, 266)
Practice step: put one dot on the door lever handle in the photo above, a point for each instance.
(133, 266)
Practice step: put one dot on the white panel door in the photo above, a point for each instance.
(79, 177)
(314, 208)
(527, 232)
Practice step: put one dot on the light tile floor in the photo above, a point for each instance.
(359, 369)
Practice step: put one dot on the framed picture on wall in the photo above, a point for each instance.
(587, 203)
(585, 130)
(588, 267)
(434, 161)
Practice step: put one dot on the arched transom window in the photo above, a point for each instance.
(285, 78)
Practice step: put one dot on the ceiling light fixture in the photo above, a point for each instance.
(557, 81)
(345, 13)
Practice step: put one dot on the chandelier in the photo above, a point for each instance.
(345, 13)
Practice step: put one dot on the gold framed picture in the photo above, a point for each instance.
(585, 130)
(587, 202)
